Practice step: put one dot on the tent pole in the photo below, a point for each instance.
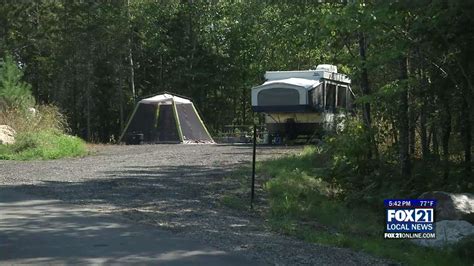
(156, 137)
(202, 122)
(128, 123)
(178, 124)
(252, 196)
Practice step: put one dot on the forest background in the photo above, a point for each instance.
(411, 63)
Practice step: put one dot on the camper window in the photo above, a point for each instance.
(330, 96)
(278, 96)
(317, 97)
(341, 97)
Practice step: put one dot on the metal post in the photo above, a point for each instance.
(253, 164)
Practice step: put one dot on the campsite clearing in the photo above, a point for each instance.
(171, 187)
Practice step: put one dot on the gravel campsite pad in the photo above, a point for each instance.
(177, 188)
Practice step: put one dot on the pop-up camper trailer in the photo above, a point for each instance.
(165, 118)
(302, 102)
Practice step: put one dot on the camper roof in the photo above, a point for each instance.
(298, 82)
(324, 71)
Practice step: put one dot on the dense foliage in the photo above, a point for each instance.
(39, 129)
(14, 92)
(410, 61)
(303, 199)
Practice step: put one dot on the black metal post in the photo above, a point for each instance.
(253, 164)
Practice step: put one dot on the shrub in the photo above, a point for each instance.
(45, 117)
(357, 175)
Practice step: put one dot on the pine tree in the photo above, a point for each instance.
(14, 93)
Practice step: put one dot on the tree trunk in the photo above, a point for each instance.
(364, 84)
(411, 124)
(120, 95)
(446, 133)
(88, 101)
(466, 107)
(244, 105)
(394, 131)
(162, 82)
(424, 138)
(425, 150)
(405, 168)
(435, 142)
(130, 55)
(466, 132)
(75, 118)
(364, 79)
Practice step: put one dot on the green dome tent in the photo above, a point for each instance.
(165, 118)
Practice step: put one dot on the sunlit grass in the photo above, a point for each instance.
(40, 134)
(43, 145)
(303, 202)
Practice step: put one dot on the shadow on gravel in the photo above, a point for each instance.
(38, 231)
(175, 198)
(182, 198)
(171, 197)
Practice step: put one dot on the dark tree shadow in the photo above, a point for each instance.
(44, 231)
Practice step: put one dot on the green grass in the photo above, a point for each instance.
(234, 202)
(43, 145)
(397, 250)
(304, 202)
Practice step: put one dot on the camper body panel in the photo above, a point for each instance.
(304, 123)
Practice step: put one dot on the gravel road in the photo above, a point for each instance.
(177, 188)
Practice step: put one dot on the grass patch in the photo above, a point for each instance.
(44, 145)
(39, 135)
(397, 250)
(238, 194)
(304, 201)
(234, 202)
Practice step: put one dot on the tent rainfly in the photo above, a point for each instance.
(166, 118)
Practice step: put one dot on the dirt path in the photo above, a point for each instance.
(172, 187)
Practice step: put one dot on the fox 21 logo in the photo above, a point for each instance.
(409, 219)
(410, 215)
